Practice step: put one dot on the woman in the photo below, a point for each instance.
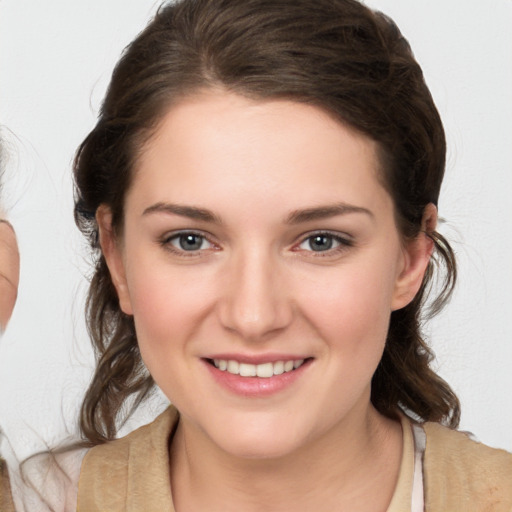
(261, 190)
(9, 277)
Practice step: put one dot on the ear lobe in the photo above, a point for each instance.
(113, 256)
(417, 253)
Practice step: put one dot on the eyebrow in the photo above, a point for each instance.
(295, 217)
(324, 212)
(190, 212)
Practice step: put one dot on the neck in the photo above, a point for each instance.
(352, 467)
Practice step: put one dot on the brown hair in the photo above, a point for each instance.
(335, 54)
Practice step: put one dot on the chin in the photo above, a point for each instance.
(259, 449)
(251, 439)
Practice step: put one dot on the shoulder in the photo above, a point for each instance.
(124, 473)
(467, 474)
(144, 440)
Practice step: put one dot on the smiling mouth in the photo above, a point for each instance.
(263, 370)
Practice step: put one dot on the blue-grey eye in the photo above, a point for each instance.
(190, 242)
(320, 242)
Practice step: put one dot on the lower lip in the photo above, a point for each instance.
(256, 386)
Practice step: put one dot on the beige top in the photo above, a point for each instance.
(459, 475)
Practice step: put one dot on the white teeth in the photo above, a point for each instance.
(247, 370)
(264, 370)
(233, 367)
(278, 367)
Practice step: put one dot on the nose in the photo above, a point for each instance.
(255, 303)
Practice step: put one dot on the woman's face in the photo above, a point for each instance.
(259, 240)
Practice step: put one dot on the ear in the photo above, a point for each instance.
(110, 247)
(417, 253)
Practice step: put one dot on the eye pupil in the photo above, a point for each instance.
(190, 242)
(320, 243)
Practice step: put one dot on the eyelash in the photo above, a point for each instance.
(166, 242)
(343, 243)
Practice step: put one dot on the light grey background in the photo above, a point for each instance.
(56, 57)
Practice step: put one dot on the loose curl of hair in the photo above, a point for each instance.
(337, 55)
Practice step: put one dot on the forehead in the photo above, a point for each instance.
(215, 146)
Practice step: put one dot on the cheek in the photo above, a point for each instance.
(168, 307)
(351, 306)
(351, 314)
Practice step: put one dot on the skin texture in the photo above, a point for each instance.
(9, 271)
(255, 288)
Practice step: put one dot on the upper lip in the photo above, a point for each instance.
(257, 358)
